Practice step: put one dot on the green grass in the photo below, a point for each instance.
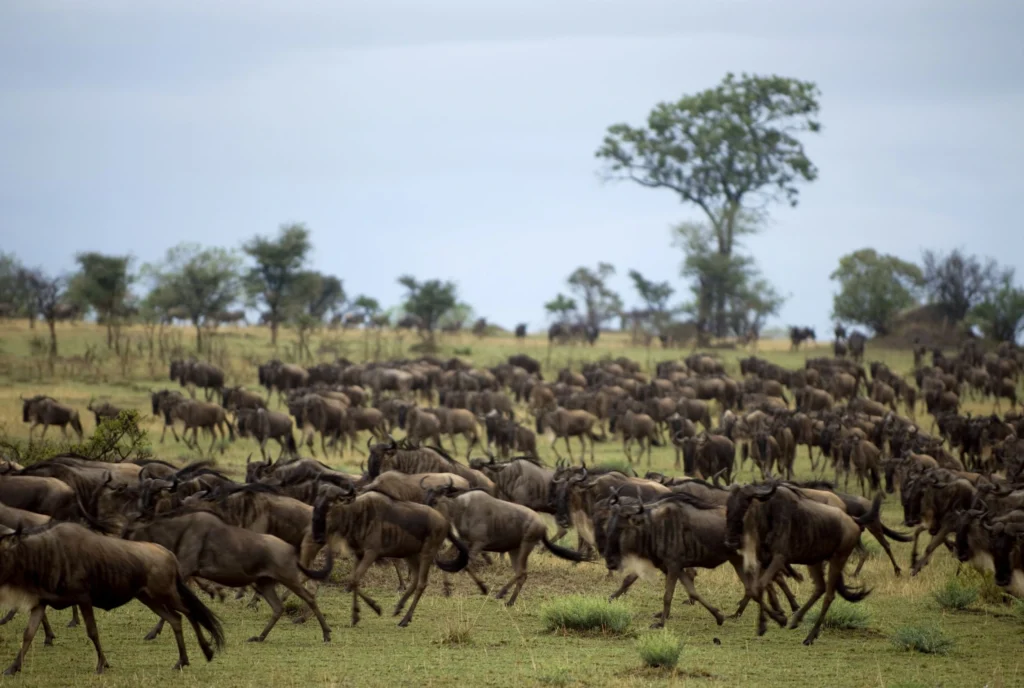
(660, 650)
(844, 616)
(581, 613)
(956, 595)
(469, 638)
(924, 639)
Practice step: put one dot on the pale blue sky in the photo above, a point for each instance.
(455, 138)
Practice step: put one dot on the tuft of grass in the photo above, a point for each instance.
(844, 616)
(926, 640)
(988, 591)
(660, 650)
(458, 635)
(956, 595)
(582, 613)
(557, 677)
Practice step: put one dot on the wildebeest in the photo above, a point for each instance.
(207, 547)
(773, 525)
(283, 377)
(523, 480)
(527, 363)
(856, 343)
(798, 335)
(191, 374)
(264, 425)
(521, 331)
(488, 524)
(235, 398)
(635, 427)
(195, 415)
(47, 411)
(103, 410)
(564, 423)
(374, 526)
(65, 564)
(398, 457)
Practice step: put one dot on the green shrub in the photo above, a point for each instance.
(580, 613)
(929, 641)
(660, 649)
(843, 616)
(956, 595)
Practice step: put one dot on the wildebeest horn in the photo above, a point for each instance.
(368, 440)
(362, 467)
(248, 459)
(422, 480)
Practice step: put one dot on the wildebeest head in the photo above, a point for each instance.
(964, 524)
(736, 508)
(625, 515)
(378, 452)
(256, 470)
(328, 494)
(1003, 538)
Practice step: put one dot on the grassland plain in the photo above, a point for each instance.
(471, 639)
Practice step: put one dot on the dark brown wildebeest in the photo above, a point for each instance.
(413, 487)
(489, 524)
(856, 342)
(374, 526)
(419, 425)
(932, 501)
(521, 331)
(209, 548)
(992, 543)
(714, 455)
(564, 424)
(839, 348)
(196, 415)
(636, 427)
(461, 422)
(527, 363)
(191, 374)
(774, 525)
(264, 425)
(47, 411)
(675, 533)
(523, 480)
(283, 377)
(798, 335)
(163, 402)
(407, 459)
(66, 564)
(42, 495)
(235, 398)
(103, 410)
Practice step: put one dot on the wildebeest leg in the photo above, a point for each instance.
(265, 587)
(790, 597)
(7, 617)
(156, 630)
(213, 441)
(310, 601)
(368, 558)
(625, 448)
(48, 632)
(568, 447)
(938, 539)
(74, 617)
(94, 636)
(421, 585)
(627, 582)
(34, 619)
(398, 572)
(43, 433)
(671, 576)
(835, 573)
(913, 550)
(817, 572)
(555, 449)
(167, 613)
(519, 557)
(691, 590)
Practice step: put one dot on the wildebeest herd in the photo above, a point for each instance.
(81, 533)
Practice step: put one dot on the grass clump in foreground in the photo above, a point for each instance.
(581, 613)
(956, 596)
(660, 650)
(843, 616)
(929, 641)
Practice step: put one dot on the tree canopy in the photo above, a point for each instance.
(874, 287)
(199, 281)
(600, 303)
(278, 266)
(1001, 315)
(957, 282)
(429, 301)
(47, 295)
(15, 296)
(103, 283)
(560, 307)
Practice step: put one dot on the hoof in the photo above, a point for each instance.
(11, 671)
(719, 619)
(177, 667)
(403, 623)
(510, 603)
(484, 590)
(658, 624)
(150, 636)
(72, 624)
(255, 639)
(48, 642)
(808, 641)
(327, 637)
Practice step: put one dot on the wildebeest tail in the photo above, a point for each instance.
(855, 594)
(872, 515)
(76, 424)
(290, 444)
(895, 535)
(198, 612)
(322, 573)
(562, 552)
(460, 562)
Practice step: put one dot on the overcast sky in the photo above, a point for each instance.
(456, 138)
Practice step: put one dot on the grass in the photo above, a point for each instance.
(843, 616)
(581, 613)
(660, 650)
(924, 639)
(956, 595)
(488, 644)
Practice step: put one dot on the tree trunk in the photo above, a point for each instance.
(32, 321)
(273, 329)
(53, 336)
(199, 336)
(110, 331)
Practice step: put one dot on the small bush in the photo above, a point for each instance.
(660, 649)
(580, 613)
(955, 595)
(458, 635)
(929, 641)
(843, 616)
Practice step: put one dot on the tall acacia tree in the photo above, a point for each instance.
(429, 300)
(873, 288)
(199, 281)
(102, 283)
(278, 267)
(47, 295)
(726, 149)
(600, 303)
